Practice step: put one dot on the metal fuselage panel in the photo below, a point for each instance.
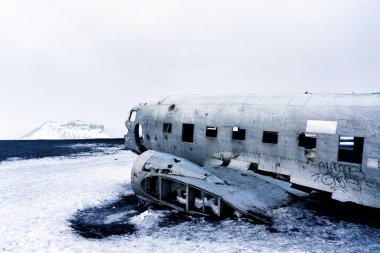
(328, 118)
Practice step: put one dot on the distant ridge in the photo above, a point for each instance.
(70, 130)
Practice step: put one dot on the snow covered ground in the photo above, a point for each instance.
(40, 198)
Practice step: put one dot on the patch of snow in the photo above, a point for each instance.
(212, 203)
(69, 130)
(115, 217)
(147, 220)
(181, 200)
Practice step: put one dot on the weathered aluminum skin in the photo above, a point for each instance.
(246, 193)
(355, 115)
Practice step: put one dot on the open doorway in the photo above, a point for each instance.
(139, 138)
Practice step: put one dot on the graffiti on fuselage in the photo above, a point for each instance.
(341, 176)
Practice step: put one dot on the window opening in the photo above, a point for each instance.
(132, 116)
(139, 137)
(187, 132)
(238, 133)
(152, 186)
(196, 201)
(173, 192)
(308, 141)
(167, 128)
(138, 132)
(211, 131)
(172, 107)
(350, 149)
(270, 137)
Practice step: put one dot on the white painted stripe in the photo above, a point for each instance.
(321, 126)
(346, 138)
(346, 143)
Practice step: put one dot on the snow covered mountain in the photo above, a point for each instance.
(70, 130)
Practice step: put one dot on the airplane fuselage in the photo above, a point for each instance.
(329, 143)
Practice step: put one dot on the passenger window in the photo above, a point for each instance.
(167, 128)
(238, 133)
(350, 149)
(211, 131)
(132, 116)
(187, 132)
(270, 137)
(308, 141)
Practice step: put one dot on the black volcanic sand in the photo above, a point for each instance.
(90, 223)
(94, 222)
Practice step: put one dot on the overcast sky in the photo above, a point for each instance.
(93, 60)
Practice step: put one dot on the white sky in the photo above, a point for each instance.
(93, 60)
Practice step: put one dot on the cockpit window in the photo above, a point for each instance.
(132, 116)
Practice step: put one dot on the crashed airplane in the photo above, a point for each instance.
(245, 155)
